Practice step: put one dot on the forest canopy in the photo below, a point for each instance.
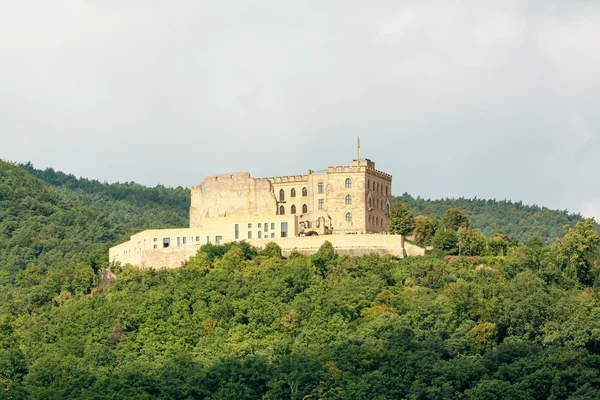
(519, 320)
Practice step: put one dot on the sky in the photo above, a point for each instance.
(486, 99)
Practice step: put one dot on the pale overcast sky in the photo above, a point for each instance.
(494, 99)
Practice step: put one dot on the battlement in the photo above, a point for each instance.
(288, 179)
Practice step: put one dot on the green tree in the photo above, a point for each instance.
(271, 249)
(471, 242)
(498, 244)
(401, 220)
(424, 230)
(321, 259)
(578, 251)
(446, 241)
(455, 219)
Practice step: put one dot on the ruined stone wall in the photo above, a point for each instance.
(229, 195)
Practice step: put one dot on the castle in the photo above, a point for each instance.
(347, 205)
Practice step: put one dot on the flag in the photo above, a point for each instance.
(358, 139)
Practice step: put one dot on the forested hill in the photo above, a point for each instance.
(54, 220)
(132, 206)
(519, 221)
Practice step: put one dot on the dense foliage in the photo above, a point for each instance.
(236, 322)
(248, 325)
(519, 221)
(129, 205)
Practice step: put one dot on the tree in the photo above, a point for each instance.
(471, 242)
(498, 244)
(323, 257)
(271, 249)
(401, 220)
(578, 250)
(424, 230)
(445, 241)
(455, 219)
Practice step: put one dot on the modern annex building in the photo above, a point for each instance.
(347, 205)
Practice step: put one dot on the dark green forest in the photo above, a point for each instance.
(517, 220)
(519, 321)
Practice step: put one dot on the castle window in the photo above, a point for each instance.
(266, 227)
(293, 210)
(284, 229)
(272, 234)
(387, 209)
(304, 192)
(321, 204)
(348, 200)
(250, 226)
(281, 195)
(376, 220)
(156, 239)
(218, 239)
(260, 234)
(249, 234)
(377, 187)
(166, 242)
(293, 193)
(178, 241)
(348, 217)
(321, 187)
(272, 226)
(259, 225)
(386, 192)
(368, 184)
(197, 238)
(281, 210)
(304, 208)
(155, 246)
(370, 203)
(348, 183)
(184, 240)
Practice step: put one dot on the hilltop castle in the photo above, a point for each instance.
(344, 205)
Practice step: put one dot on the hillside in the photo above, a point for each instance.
(242, 323)
(131, 206)
(60, 220)
(519, 221)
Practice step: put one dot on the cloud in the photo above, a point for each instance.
(487, 99)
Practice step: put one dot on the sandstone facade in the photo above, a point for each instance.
(347, 205)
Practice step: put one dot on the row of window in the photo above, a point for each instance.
(379, 204)
(293, 209)
(263, 228)
(375, 220)
(320, 189)
(377, 187)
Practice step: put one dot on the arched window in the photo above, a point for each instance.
(304, 208)
(293, 193)
(386, 192)
(348, 217)
(281, 195)
(348, 200)
(387, 209)
(281, 210)
(293, 209)
(304, 193)
(370, 203)
(348, 183)
(378, 187)
(376, 220)
(368, 184)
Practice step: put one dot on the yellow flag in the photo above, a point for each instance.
(358, 139)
